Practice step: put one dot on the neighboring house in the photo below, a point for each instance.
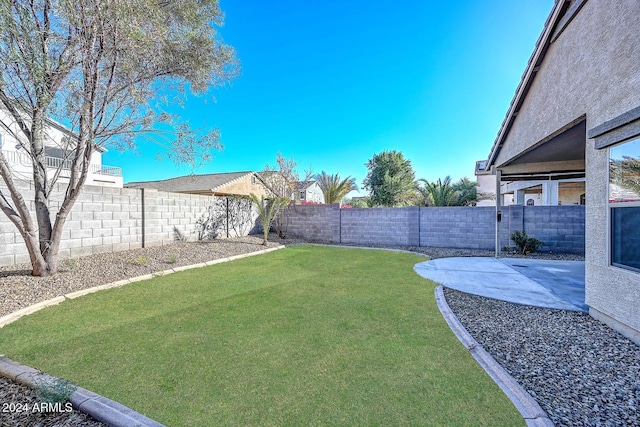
(308, 191)
(576, 115)
(58, 149)
(486, 183)
(530, 192)
(213, 184)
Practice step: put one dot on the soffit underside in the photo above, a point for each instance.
(561, 153)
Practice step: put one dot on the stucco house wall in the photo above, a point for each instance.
(245, 185)
(591, 70)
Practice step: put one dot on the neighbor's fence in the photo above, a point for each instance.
(106, 219)
(560, 227)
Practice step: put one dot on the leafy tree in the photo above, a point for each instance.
(104, 69)
(445, 193)
(268, 209)
(390, 179)
(334, 188)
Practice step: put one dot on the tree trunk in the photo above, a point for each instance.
(41, 196)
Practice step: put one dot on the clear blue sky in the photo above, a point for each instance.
(332, 82)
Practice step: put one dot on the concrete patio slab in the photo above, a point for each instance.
(539, 283)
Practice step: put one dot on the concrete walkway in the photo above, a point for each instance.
(539, 283)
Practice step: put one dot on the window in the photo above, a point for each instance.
(624, 204)
(253, 180)
(302, 195)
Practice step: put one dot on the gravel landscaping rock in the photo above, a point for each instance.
(22, 408)
(581, 372)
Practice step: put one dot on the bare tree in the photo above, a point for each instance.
(281, 180)
(239, 214)
(107, 69)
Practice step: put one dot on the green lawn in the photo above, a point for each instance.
(301, 336)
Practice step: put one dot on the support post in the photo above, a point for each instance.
(142, 215)
(498, 174)
(227, 216)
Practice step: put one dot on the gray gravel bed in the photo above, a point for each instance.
(581, 372)
(17, 410)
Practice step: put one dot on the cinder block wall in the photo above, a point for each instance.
(106, 219)
(458, 227)
(314, 222)
(380, 226)
(560, 227)
(111, 219)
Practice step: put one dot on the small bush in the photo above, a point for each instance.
(142, 260)
(58, 390)
(524, 243)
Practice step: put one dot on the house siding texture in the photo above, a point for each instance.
(591, 69)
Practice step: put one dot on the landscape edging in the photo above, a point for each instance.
(528, 407)
(99, 407)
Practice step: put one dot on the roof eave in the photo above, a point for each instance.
(542, 45)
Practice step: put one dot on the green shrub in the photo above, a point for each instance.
(142, 260)
(57, 390)
(524, 243)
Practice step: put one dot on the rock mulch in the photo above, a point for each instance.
(20, 407)
(581, 372)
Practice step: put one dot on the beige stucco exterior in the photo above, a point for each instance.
(590, 71)
(245, 186)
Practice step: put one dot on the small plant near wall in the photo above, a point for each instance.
(141, 260)
(524, 243)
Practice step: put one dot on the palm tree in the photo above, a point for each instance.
(467, 192)
(446, 193)
(267, 210)
(333, 188)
